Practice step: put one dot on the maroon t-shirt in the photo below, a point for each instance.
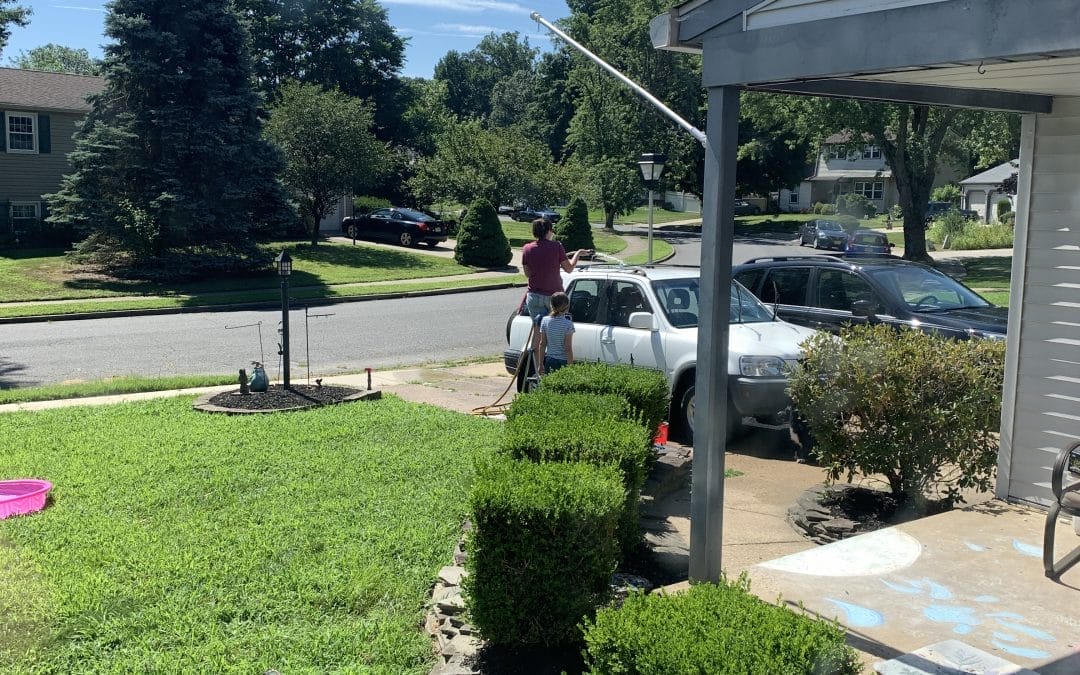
(544, 259)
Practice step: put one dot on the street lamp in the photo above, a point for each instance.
(652, 165)
(284, 269)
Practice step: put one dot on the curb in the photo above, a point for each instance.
(267, 304)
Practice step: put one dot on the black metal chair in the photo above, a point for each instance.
(1067, 500)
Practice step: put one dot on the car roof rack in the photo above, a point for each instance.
(783, 258)
(615, 267)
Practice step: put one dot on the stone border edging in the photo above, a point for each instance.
(202, 404)
(816, 522)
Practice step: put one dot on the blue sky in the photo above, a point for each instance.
(433, 27)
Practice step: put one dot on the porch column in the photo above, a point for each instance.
(710, 419)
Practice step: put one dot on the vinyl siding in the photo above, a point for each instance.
(1041, 404)
(26, 177)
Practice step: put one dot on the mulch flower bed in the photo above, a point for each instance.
(277, 398)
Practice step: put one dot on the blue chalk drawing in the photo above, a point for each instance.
(987, 598)
(1028, 630)
(938, 592)
(1027, 549)
(1021, 651)
(963, 617)
(906, 588)
(859, 616)
(978, 548)
(1005, 637)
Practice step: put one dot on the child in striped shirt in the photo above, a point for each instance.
(556, 336)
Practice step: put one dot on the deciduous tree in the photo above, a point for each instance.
(58, 59)
(11, 15)
(329, 150)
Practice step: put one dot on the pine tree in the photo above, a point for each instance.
(481, 241)
(574, 230)
(171, 176)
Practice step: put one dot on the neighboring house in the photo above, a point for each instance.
(982, 191)
(39, 112)
(841, 169)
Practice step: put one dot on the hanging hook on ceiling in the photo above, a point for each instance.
(980, 69)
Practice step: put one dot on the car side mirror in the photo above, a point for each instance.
(864, 308)
(643, 321)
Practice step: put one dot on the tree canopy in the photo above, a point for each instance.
(54, 58)
(170, 175)
(329, 150)
(472, 77)
(11, 15)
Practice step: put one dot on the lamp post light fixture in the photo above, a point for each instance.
(652, 165)
(284, 269)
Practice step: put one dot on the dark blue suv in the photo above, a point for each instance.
(827, 292)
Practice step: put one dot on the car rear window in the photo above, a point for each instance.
(870, 239)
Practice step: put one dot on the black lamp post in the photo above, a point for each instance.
(652, 165)
(284, 269)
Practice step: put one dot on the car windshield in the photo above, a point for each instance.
(926, 290)
(869, 239)
(414, 215)
(679, 301)
(830, 225)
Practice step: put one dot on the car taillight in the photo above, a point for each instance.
(422, 225)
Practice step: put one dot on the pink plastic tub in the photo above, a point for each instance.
(22, 496)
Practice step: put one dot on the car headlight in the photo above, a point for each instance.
(761, 366)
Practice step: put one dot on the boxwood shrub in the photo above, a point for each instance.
(549, 404)
(716, 629)
(645, 390)
(542, 548)
(585, 437)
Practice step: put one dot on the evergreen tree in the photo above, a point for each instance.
(481, 241)
(574, 230)
(170, 173)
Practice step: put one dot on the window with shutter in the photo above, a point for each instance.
(20, 132)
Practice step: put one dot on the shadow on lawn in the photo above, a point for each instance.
(995, 271)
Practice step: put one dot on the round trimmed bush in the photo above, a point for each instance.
(481, 241)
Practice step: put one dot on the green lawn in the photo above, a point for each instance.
(178, 541)
(110, 386)
(520, 234)
(46, 274)
(990, 273)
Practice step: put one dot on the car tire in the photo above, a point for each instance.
(406, 238)
(816, 245)
(353, 231)
(525, 378)
(686, 416)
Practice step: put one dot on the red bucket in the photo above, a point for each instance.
(661, 434)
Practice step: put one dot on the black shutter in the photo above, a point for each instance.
(44, 137)
(5, 210)
(43, 209)
(3, 133)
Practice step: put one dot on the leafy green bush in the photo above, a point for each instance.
(828, 209)
(852, 204)
(366, 204)
(918, 409)
(582, 436)
(645, 390)
(946, 227)
(1008, 219)
(574, 230)
(545, 403)
(481, 241)
(947, 193)
(713, 628)
(818, 206)
(525, 584)
(1002, 207)
(977, 236)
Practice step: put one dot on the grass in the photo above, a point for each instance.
(310, 293)
(32, 275)
(111, 386)
(661, 250)
(990, 273)
(177, 541)
(520, 234)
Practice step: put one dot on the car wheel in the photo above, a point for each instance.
(816, 244)
(686, 416)
(406, 238)
(525, 378)
(354, 232)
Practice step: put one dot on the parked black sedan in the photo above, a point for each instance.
(527, 214)
(403, 226)
(823, 234)
(828, 292)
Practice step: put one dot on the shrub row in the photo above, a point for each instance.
(713, 628)
(645, 390)
(547, 533)
(957, 234)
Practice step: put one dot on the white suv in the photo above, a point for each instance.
(648, 317)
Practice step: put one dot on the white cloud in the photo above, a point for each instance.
(81, 9)
(467, 29)
(464, 5)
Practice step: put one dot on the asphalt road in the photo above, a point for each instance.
(343, 338)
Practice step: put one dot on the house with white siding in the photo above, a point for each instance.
(982, 192)
(40, 112)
